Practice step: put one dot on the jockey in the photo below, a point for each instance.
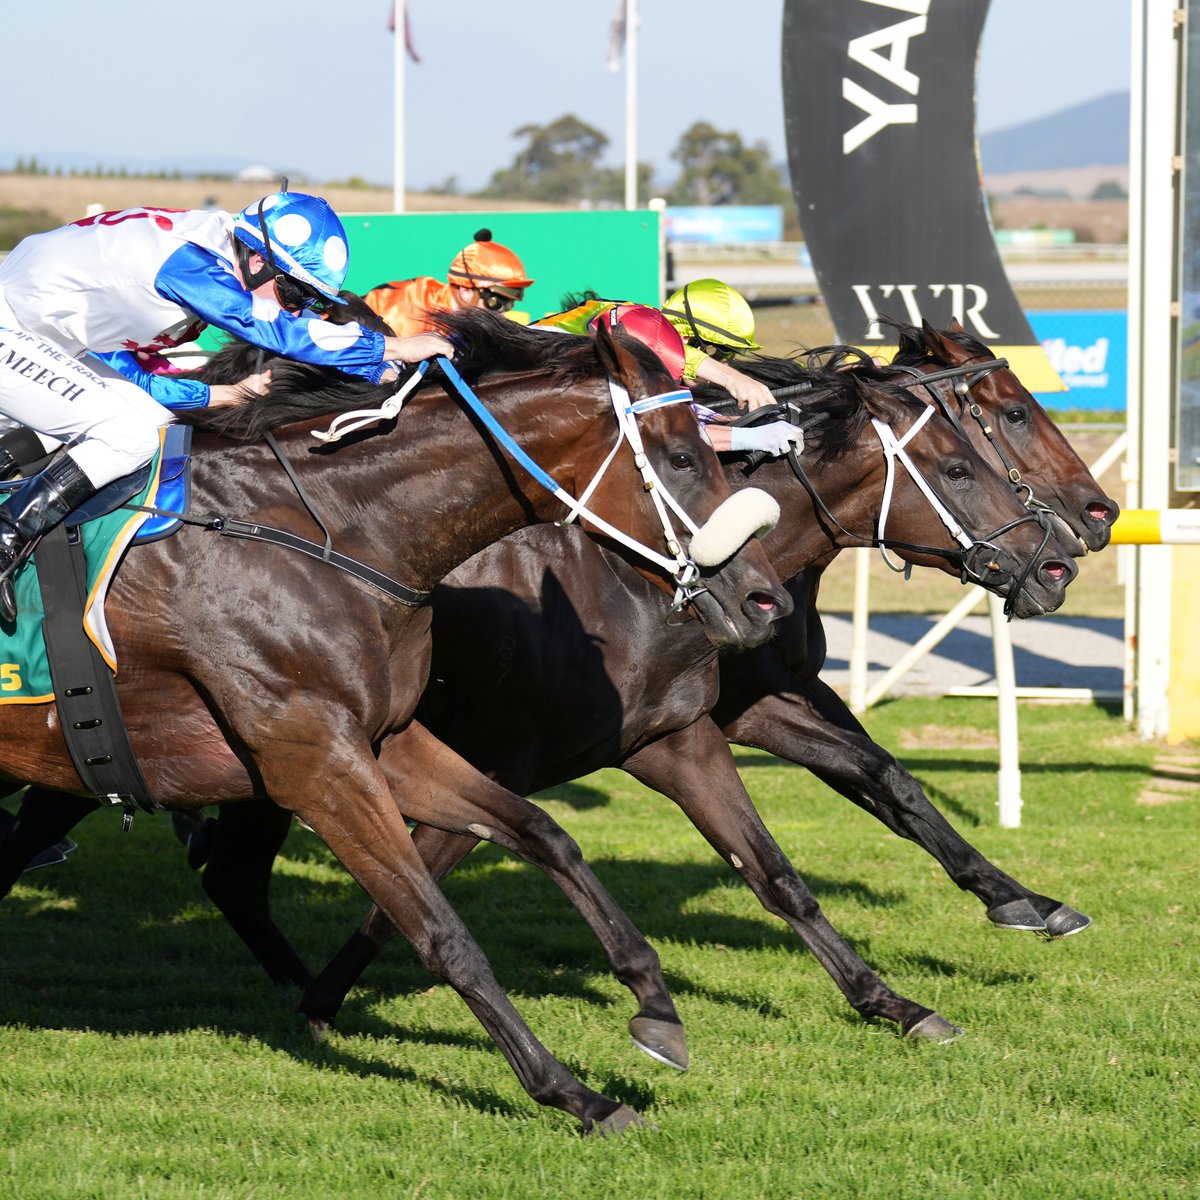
(122, 287)
(482, 275)
(716, 323)
(653, 329)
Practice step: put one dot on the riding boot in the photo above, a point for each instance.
(35, 507)
(19, 448)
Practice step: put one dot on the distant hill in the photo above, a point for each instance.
(1095, 133)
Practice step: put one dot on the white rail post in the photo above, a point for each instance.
(1009, 778)
(859, 629)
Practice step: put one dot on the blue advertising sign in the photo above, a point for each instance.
(1087, 347)
(724, 224)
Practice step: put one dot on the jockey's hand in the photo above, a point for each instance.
(748, 393)
(775, 438)
(415, 347)
(230, 395)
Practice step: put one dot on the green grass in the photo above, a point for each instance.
(141, 1053)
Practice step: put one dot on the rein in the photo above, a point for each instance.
(978, 560)
(681, 568)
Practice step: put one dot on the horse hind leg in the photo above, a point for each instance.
(43, 820)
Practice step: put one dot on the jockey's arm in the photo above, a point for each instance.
(749, 393)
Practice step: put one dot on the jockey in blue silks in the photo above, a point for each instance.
(119, 288)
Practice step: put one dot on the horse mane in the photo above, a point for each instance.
(485, 345)
(917, 346)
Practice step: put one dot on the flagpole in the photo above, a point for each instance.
(399, 50)
(631, 166)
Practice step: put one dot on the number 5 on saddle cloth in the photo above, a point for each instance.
(60, 649)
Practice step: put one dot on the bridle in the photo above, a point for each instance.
(682, 569)
(978, 560)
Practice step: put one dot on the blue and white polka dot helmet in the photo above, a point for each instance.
(306, 238)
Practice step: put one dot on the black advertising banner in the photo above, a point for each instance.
(879, 100)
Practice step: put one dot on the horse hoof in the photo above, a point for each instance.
(1016, 914)
(1063, 922)
(662, 1040)
(935, 1028)
(618, 1121)
(319, 1029)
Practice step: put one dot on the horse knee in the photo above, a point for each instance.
(557, 849)
(789, 893)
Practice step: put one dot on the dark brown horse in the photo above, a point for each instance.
(532, 732)
(573, 701)
(254, 676)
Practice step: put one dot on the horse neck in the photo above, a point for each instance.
(851, 487)
(421, 499)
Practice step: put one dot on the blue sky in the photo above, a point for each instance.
(306, 85)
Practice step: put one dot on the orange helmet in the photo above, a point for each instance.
(650, 328)
(489, 267)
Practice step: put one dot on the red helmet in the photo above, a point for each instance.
(650, 328)
(489, 266)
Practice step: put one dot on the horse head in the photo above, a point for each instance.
(1005, 421)
(735, 592)
(882, 466)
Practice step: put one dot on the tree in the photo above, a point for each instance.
(1109, 189)
(561, 164)
(719, 168)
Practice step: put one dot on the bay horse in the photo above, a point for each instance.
(251, 676)
(582, 693)
(775, 699)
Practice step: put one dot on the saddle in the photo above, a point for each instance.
(80, 672)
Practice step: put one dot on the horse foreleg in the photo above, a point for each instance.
(814, 729)
(44, 818)
(323, 998)
(243, 846)
(695, 769)
(371, 840)
(436, 787)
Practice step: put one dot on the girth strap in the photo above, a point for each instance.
(89, 712)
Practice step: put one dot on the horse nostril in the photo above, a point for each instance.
(764, 601)
(1056, 570)
(1097, 511)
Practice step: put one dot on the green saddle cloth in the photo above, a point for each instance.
(24, 670)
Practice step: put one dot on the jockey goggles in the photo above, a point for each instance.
(495, 301)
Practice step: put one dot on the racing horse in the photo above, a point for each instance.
(774, 698)
(596, 679)
(254, 674)
(523, 735)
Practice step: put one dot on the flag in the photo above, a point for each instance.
(616, 37)
(408, 44)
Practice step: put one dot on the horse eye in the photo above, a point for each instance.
(681, 462)
(957, 473)
(1017, 416)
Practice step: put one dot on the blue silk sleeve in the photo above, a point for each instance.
(169, 390)
(204, 284)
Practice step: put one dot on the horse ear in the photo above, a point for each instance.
(615, 358)
(934, 338)
(878, 402)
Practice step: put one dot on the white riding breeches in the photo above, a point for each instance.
(109, 424)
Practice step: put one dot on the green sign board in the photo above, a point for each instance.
(614, 253)
(617, 254)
